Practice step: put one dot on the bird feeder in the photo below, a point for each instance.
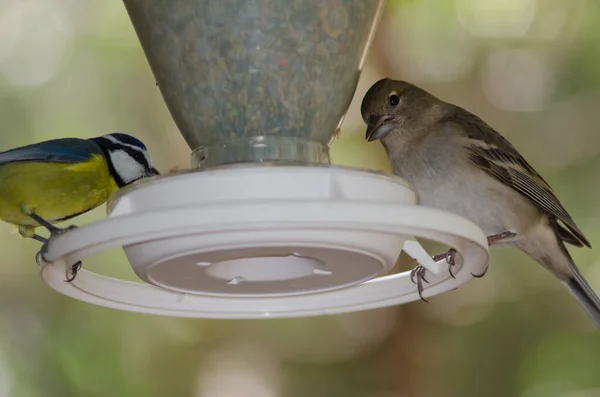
(262, 225)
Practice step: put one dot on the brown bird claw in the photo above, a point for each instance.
(482, 274)
(417, 276)
(450, 257)
(74, 270)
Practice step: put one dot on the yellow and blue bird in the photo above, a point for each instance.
(52, 181)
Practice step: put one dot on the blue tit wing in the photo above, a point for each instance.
(66, 150)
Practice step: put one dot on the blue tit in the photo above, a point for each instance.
(52, 181)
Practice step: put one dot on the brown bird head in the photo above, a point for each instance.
(394, 106)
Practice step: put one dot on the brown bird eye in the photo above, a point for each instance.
(394, 100)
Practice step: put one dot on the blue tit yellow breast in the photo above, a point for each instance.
(55, 191)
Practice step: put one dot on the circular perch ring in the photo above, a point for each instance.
(259, 242)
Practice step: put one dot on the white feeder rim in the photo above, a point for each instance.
(409, 220)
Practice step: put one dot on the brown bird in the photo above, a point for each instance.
(458, 163)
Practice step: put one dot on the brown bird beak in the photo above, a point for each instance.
(379, 126)
(153, 172)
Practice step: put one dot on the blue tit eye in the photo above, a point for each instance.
(394, 99)
(138, 157)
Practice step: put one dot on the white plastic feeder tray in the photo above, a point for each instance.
(265, 241)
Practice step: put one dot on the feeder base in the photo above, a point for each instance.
(265, 241)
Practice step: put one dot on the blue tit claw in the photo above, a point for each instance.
(42, 261)
(39, 238)
(59, 232)
(74, 270)
(39, 258)
(417, 276)
(51, 228)
(54, 231)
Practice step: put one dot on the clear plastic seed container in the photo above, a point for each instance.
(256, 80)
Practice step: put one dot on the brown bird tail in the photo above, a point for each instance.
(586, 297)
(580, 289)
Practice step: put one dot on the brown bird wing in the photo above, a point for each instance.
(492, 153)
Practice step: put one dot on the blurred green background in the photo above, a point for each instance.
(530, 68)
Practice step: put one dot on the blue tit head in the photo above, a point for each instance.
(127, 157)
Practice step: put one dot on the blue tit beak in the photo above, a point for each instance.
(153, 172)
(379, 127)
